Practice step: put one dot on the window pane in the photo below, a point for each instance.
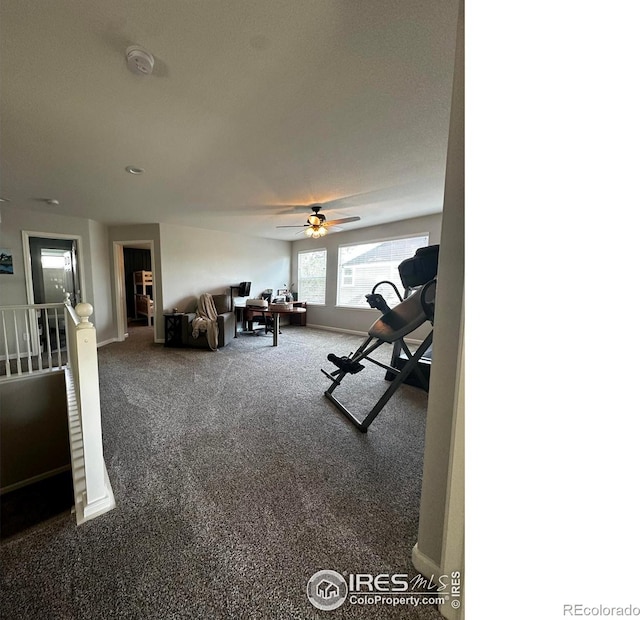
(312, 276)
(361, 267)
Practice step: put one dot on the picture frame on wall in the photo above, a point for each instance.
(6, 261)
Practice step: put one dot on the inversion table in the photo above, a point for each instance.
(390, 328)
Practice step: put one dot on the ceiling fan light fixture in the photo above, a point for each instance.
(315, 232)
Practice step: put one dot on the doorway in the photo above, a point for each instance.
(52, 269)
(135, 288)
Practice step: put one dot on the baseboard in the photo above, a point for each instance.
(353, 332)
(427, 567)
(158, 340)
(100, 506)
(424, 564)
(106, 342)
(339, 330)
(38, 478)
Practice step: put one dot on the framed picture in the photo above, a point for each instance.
(6, 261)
(284, 292)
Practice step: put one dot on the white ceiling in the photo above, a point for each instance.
(253, 106)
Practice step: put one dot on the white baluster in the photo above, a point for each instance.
(38, 314)
(58, 338)
(18, 360)
(46, 328)
(28, 333)
(7, 364)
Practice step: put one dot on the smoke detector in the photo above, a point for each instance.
(139, 60)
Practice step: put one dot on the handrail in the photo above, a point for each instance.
(84, 390)
(31, 333)
(33, 306)
(37, 331)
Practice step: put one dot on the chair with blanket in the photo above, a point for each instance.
(216, 308)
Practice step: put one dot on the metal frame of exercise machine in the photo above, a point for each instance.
(390, 328)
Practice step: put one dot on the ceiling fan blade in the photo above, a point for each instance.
(344, 220)
(375, 196)
(303, 226)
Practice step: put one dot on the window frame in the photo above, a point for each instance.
(370, 241)
(326, 262)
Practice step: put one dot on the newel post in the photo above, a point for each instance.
(89, 396)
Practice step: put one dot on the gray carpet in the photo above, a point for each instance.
(235, 481)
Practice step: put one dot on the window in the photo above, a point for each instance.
(347, 276)
(312, 276)
(361, 267)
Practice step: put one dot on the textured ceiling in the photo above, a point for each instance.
(254, 106)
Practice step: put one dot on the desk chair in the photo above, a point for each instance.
(258, 309)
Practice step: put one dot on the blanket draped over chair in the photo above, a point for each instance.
(206, 320)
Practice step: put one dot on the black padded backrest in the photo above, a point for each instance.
(407, 316)
(421, 268)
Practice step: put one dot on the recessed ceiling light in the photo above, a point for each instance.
(53, 201)
(134, 170)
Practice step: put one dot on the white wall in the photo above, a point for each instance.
(102, 300)
(357, 319)
(196, 261)
(440, 531)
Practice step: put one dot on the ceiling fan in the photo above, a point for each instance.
(317, 223)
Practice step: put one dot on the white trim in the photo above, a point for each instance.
(120, 290)
(326, 263)
(26, 234)
(353, 332)
(424, 564)
(339, 330)
(106, 342)
(385, 239)
(371, 242)
(100, 506)
(38, 478)
(28, 276)
(27, 375)
(83, 511)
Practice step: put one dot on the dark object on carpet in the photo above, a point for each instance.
(34, 504)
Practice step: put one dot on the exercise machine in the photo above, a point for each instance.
(417, 307)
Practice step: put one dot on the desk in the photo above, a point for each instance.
(275, 311)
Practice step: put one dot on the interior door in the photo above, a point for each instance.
(54, 272)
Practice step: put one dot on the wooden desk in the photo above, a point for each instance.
(274, 310)
(300, 318)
